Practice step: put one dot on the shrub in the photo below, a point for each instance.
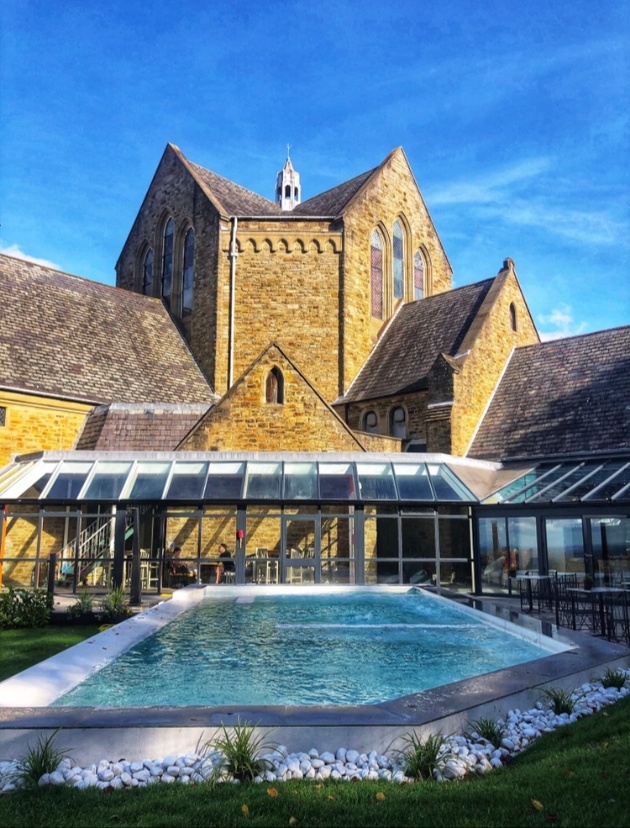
(43, 758)
(83, 610)
(25, 608)
(614, 678)
(422, 759)
(489, 729)
(114, 607)
(241, 752)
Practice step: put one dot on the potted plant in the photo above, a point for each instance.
(588, 581)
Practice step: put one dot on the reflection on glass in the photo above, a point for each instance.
(69, 480)
(565, 482)
(149, 481)
(336, 481)
(446, 485)
(300, 481)
(611, 487)
(187, 481)
(376, 481)
(413, 482)
(263, 481)
(108, 481)
(225, 481)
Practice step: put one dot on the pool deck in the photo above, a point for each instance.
(92, 734)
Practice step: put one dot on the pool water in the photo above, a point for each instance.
(358, 648)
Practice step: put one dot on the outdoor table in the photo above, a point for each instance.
(529, 580)
(596, 596)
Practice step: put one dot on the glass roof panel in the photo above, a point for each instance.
(69, 480)
(187, 481)
(300, 481)
(27, 480)
(263, 481)
(225, 481)
(107, 481)
(611, 487)
(591, 482)
(549, 476)
(376, 481)
(567, 481)
(446, 485)
(147, 481)
(336, 481)
(413, 481)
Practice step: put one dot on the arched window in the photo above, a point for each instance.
(167, 261)
(376, 274)
(188, 272)
(147, 273)
(274, 387)
(513, 323)
(399, 270)
(370, 422)
(287, 191)
(418, 275)
(399, 422)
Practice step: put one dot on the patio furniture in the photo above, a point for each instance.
(534, 588)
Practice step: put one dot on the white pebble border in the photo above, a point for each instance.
(465, 755)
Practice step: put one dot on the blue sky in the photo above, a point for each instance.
(514, 117)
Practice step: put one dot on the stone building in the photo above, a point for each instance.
(301, 375)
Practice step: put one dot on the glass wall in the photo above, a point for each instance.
(506, 546)
(610, 541)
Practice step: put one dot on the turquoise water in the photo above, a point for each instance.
(357, 648)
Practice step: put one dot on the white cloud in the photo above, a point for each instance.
(562, 319)
(491, 188)
(14, 250)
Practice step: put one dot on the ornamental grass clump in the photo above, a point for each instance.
(560, 701)
(614, 678)
(43, 757)
(241, 752)
(489, 729)
(423, 759)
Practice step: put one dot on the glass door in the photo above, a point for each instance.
(300, 543)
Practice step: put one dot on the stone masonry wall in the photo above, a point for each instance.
(243, 419)
(392, 194)
(414, 405)
(481, 369)
(38, 424)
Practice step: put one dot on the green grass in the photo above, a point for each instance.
(576, 776)
(22, 648)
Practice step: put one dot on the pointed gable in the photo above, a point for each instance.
(402, 359)
(567, 396)
(303, 421)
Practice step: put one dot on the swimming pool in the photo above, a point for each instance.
(333, 648)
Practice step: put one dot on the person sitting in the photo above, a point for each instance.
(225, 565)
(181, 574)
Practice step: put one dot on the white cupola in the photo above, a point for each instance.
(288, 193)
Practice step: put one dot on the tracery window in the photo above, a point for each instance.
(376, 274)
(418, 275)
(398, 421)
(167, 261)
(188, 272)
(274, 386)
(147, 273)
(399, 270)
(3, 416)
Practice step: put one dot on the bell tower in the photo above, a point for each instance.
(288, 190)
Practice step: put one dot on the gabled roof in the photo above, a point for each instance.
(64, 336)
(132, 427)
(420, 331)
(234, 199)
(568, 396)
(332, 202)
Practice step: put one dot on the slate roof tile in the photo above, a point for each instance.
(128, 427)
(421, 330)
(70, 337)
(567, 396)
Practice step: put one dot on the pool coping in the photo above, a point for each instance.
(93, 733)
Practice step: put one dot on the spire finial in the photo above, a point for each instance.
(288, 150)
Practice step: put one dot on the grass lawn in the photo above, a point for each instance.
(579, 775)
(23, 648)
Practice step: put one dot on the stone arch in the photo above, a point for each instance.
(274, 386)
